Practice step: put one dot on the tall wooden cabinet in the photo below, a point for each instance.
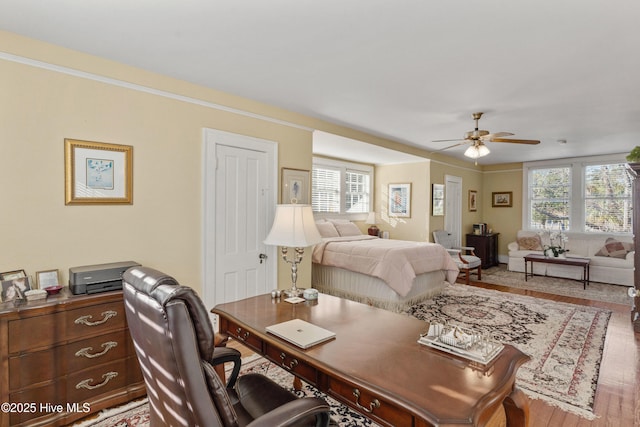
(634, 169)
(64, 358)
(485, 247)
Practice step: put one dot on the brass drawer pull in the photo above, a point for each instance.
(85, 351)
(375, 403)
(242, 337)
(87, 383)
(106, 315)
(291, 364)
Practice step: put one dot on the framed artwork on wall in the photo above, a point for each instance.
(502, 199)
(473, 200)
(97, 173)
(400, 200)
(295, 186)
(437, 199)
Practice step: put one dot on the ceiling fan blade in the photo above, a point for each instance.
(447, 140)
(516, 141)
(490, 136)
(451, 146)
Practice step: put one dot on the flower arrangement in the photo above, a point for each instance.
(557, 243)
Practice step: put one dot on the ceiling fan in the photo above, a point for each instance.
(477, 137)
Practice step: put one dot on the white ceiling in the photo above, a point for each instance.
(412, 70)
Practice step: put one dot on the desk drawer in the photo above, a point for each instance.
(371, 405)
(291, 364)
(244, 336)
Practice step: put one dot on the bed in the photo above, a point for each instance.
(390, 274)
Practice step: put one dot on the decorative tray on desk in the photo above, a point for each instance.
(463, 342)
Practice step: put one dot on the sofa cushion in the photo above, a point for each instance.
(530, 243)
(614, 248)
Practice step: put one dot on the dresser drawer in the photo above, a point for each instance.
(86, 385)
(244, 336)
(95, 319)
(49, 329)
(285, 360)
(50, 392)
(373, 406)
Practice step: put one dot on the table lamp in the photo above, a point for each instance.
(373, 229)
(293, 227)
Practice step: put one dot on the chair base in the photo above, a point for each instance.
(467, 273)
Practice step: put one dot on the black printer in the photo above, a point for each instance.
(92, 279)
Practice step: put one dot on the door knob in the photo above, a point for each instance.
(262, 257)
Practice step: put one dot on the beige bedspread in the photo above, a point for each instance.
(397, 262)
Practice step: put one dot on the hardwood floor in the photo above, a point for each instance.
(617, 402)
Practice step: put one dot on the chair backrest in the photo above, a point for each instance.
(444, 238)
(174, 339)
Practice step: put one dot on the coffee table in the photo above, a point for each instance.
(376, 366)
(575, 261)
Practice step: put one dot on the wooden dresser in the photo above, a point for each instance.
(64, 358)
(486, 248)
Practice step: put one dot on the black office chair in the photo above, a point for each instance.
(174, 341)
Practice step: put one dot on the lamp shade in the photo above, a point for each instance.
(293, 226)
(371, 219)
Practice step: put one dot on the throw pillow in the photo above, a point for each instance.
(532, 243)
(348, 229)
(327, 229)
(614, 248)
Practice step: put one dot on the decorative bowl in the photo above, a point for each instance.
(52, 290)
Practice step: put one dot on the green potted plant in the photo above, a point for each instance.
(634, 155)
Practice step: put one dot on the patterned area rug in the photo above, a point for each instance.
(565, 341)
(571, 288)
(136, 414)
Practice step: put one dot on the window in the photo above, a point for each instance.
(607, 198)
(550, 196)
(591, 195)
(340, 187)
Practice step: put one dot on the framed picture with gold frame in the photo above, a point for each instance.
(97, 173)
(473, 200)
(295, 186)
(502, 199)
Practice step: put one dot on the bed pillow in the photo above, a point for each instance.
(327, 229)
(530, 243)
(348, 229)
(614, 248)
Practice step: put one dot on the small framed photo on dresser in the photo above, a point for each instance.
(47, 278)
(14, 289)
(10, 275)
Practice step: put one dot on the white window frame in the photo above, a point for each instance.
(343, 167)
(577, 167)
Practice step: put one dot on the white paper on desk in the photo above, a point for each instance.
(294, 300)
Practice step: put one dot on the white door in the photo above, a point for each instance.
(453, 207)
(240, 201)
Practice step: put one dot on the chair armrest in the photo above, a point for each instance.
(223, 355)
(470, 249)
(292, 412)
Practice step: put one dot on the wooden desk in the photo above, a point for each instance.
(376, 366)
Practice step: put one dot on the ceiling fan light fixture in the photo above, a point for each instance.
(476, 151)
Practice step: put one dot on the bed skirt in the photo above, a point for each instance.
(373, 291)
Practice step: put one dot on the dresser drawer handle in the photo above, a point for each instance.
(87, 383)
(106, 315)
(244, 336)
(85, 351)
(375, 403)
(291, 364)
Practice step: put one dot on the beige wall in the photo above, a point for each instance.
(504, 220)
(416, 227)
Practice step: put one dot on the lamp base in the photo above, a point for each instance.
(293, 292)
(373, 231)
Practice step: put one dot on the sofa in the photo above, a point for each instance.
(611, 256)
